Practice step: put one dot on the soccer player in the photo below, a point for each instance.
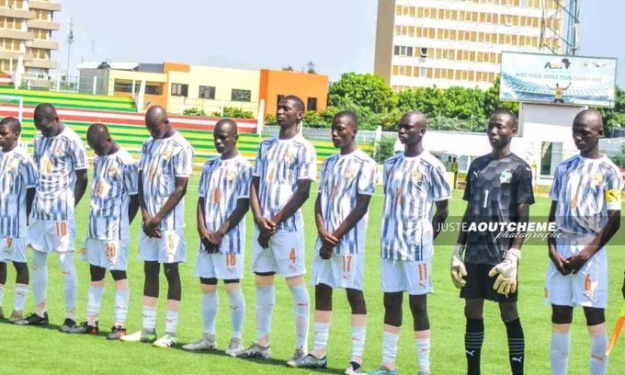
(61, 160)
(285, 168)
(586, 207)
(222, 204)
(114, 204)
(164, 169)
(498, 192)
(341, 213)
(18, 178)
(414, 182)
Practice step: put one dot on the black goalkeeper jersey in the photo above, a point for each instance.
(494, 190)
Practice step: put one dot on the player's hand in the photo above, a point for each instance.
(204, 238)
(263, 241)
(559, 262)
(327, 239)
(325, 252)
(576, 262)
(457, 269)
(265, 225)
(150, 225)
(215, 240)
(507, 270)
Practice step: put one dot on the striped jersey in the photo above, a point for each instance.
(57, 158)
(115, 179)
(162, 160)
(280, 163)
(17, 174)
(411, 186)
(585, 189)
(343, 178)
(494, 190)
(222, 184)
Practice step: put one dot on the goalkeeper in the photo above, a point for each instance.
(498, 192)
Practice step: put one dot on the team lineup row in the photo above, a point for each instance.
(43, 192)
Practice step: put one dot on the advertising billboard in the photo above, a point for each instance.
(568, 80)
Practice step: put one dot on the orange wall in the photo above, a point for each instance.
(303, 85)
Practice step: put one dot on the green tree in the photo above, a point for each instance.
(194, 112)
(425, 99)
(492, 102)
(233, 112)
(614, 117)
(363, 91)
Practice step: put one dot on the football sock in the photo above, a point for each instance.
(598, 348)
(40, 280)
(171, 317)
(422, 345)
(70, 283)
(237, 312)
(359, 335)
(1, 293)
(320, 339)
(301, 310)
(21, 291)
(94, 301)
(149, 318)
(210, 305)
(560, 347)
(265, 302)
(122, 297)
(389, 352)
(473, 340)
(516, 346)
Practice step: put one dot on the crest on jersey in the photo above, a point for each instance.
(289, 157)
(113, 172)
(597, 180)
(505, 177)
(417, 177)
(59, 151)
(350, 173)
(13, 166)
(231, 175)
(167, 155)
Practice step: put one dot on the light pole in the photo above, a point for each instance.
(70, 40)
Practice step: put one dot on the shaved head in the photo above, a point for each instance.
(227, 125)
(98, 130)
(352, 118)
(12, 123)
(299, 103)
(45, 111)
(508, 115)
(415, 117)
(156, 114)
(590, 118)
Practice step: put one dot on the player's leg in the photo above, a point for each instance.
(3, 281)
(516, 339)
(70, 288)
(356, 299)
(94, 302)
(151, 271)
(21, 290)
(237, 316)
(40, 282)
(474, 334)
(392, 328)
(301, 312)
(561, 319)
(174, 296)
(595, 320)
(210, 306)
(122, 299)
(321, 329)
(421, 325)
(265, 302)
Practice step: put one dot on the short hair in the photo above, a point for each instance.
(298, 102)
(12, 123)
(227, 121)
(353, 117)
(507, 112)
(45, 111)
(99, 130)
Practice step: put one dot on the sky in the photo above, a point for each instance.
(338, 36)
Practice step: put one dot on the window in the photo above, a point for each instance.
(239, 95)
(402, 51)
(311, 104)
(154, 90)
(551, 155)
(179, 89)
(207, 92)
(422, 72)
(123, 86)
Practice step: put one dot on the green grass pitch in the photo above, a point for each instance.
(32, 350)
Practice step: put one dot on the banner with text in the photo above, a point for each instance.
(569, 80)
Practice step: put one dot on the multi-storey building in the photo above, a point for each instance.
(443, 43)
(26, 28)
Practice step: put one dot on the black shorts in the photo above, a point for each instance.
(480, 285)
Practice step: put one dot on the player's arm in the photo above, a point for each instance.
(133, 207)
(362, 205)
(442, 211)
(265, 226)
(328, 240)
(81, 185)
(523, 217)
(201, 226)
(576, 262)
(296, 201)
(557, 260)
(456, 265)
(30, 196)
(179, 191)
(243, 205)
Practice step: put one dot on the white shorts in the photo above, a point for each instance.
(219, 266)
(588, 287)
(52, 236)
(414, 278)
(284, 256)
(13, 250)
(340, 271)
(170, 248)
(110, 255)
